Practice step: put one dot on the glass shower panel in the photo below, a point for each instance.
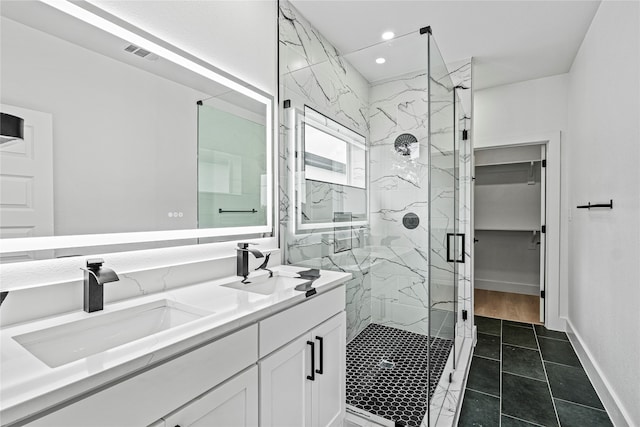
(443, 216)
(463, 179)
(398, 243)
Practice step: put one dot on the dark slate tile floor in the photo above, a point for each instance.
(525, 375)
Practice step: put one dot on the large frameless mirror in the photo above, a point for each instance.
(126, 139)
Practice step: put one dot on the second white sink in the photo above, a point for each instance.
(267, 285)
(62, 344)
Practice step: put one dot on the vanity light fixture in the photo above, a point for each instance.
(12, 127)
(388, 35)
(380, 61)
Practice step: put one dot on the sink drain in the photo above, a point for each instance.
(385, 364)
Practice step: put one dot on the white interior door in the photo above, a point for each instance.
(543, 222)
(26, 181)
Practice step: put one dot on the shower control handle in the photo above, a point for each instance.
(321, 341)
(312, 377)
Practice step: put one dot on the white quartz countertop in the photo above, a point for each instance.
(28, 385)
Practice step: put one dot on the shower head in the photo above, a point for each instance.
(404, 142)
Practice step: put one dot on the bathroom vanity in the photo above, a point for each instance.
(213, 353)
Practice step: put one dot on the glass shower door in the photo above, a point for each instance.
(444, 237)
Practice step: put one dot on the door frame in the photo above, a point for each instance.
(552, 303)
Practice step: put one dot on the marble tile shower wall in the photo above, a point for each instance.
(399, 185)
(313, 73)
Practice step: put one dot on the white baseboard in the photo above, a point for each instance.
(513, 287)
(619, 416)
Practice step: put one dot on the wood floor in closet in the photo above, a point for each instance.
(508, 306)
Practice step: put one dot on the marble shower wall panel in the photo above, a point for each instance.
(460, 73)
(399, 185)
(314, 70)
(400, 291)
(313, 73)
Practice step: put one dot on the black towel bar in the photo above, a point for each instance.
(598, 205)
(247, 211)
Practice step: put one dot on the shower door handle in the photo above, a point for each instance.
(462, 256)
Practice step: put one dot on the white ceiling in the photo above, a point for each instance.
(510, 40)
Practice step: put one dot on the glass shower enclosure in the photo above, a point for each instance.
(370, 184)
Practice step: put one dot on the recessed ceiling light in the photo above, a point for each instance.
(380, 61)
(387, 35)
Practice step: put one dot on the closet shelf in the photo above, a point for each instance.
(514, 162)
(522, 229)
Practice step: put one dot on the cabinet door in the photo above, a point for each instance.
(328, 390)
(285, 391)
(232, 404)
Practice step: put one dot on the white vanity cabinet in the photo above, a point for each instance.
(146, 397)
(303, 383)
(232, 404)
(288, 369)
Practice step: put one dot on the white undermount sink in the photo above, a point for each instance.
(62, 344)
(265, 285)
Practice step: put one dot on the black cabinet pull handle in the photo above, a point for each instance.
(321, 341)
(312, 377)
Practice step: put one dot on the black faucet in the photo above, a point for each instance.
(94, 277)
(243, 259)
(263, 266)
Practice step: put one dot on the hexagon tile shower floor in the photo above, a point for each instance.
(387, 372)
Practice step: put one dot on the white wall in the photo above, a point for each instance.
(239, 37)
(525, 108)
(603, 148)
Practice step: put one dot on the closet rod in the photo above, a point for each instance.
(598, 205)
